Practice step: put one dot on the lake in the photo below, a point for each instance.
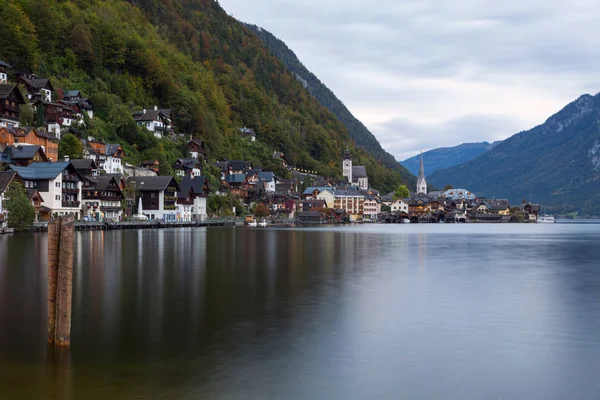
(469, 311)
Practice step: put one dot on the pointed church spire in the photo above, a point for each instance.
(421, 182)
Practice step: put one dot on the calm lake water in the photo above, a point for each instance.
(358, 312)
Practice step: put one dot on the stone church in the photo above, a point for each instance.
(356, 175)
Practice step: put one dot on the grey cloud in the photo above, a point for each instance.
(405, 139)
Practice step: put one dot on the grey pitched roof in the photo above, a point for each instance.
(4, 64)
(354, 193)
(6, 178)
(235, 178)
(84, 163)
(102, 182)
(21, 152)
(71, 93)
(186, 163)
(45, 170)
(32, 192)
(152, 182)
(265, 176)
(111, 148)
(194, 184)
(6, 89)
(359, 171)
(240, 165)
(152, 114)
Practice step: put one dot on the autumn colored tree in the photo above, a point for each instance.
(262, 211)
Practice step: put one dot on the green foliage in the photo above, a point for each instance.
(386, 208)
(189, 56)
(401, 192)
(70, 146)
(21, 213)
(448, 187)
(26, 115)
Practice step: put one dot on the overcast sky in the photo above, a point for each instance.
(432, 73)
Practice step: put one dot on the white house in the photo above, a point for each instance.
(399, 206)
(113, 164)
(157, 121)
(191, 199)
(58, 183)
(267, 179)
(320, 193)
(4, 67)
(159, 196)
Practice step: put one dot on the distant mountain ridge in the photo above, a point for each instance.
(445, 157)
(556, 164)
(357, 131)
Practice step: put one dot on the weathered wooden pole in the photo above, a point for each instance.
(53, 249)
(64, 287)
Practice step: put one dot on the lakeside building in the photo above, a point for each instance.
(191, 198)
(102, 198)
(59, 184)
(159, 196)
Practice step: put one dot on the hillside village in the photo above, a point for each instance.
(100, 186)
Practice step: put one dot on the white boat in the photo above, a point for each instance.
(546, 219)
(262, 223)
(252, 224)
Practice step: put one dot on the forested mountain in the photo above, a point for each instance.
(187, 55)
(357, 131)
(446, 157)
(556, 164)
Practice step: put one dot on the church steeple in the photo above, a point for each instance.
(421, 182)
(347, 166)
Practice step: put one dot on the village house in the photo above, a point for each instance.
(158, 121)
(351, 201)
(11, 100)
(399, 206)
(37, 88)
(113, 163)
(248, 132)
(278, 155)
(102, 198)
(237, 184)
(24, 155)
(159, 196)
(58, 183)
(4, 67)
(30, 136)
(197, 149)
(531, 211)
(86, 167)
(58, 115)
(152, 165)
(371, 207)
(187, 167)
(320, 193)
(191, 199)
(75, 98)
(267, 180)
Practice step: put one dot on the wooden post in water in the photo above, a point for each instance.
(64, 287)
(53, 249)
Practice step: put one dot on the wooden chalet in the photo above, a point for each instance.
(11, 100)
(30, 136)
(197, 148)
(24, 155)
(153, 165)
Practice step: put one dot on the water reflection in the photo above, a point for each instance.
(372, 312)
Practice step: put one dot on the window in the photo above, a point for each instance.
(57, 184)
(57, 197)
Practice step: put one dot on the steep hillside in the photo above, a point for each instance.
(357, 131)
(188, 55)
(446, 157)
(556, 164)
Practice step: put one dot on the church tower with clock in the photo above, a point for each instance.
(347, 166)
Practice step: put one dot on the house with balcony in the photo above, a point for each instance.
(102, 198)
(86, 167)
(11, 100)
(58, 183)
(197, 148)
(4, 67)
(191, 199)
(159, 196)
(156, 120)
(74, 97)
(371, 207)
(30, 136)
(187, 167)
(351, 201)
(37, 88)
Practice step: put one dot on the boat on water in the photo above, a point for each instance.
(252, 224)
(262, 223)
(546, 219)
